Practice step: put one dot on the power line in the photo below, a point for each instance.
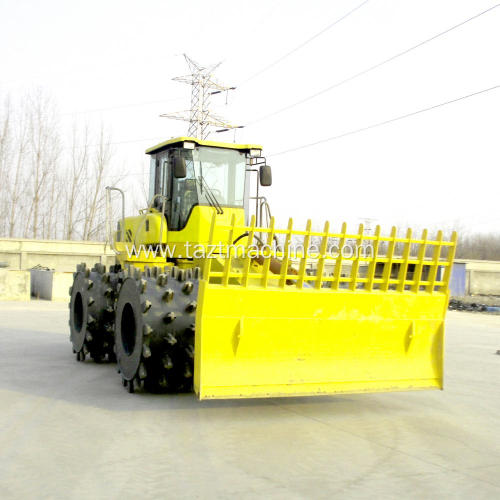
(304, 43)
(111, 108)
(385, 122)
(372, 68)
(362, 129)
(323, 140)
(82, 146)
(132, 140)
(328, 139)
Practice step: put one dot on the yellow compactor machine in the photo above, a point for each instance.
(205, 296)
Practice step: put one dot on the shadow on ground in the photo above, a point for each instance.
(42, 364)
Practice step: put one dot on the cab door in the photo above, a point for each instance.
(161, 173)
(184, 198)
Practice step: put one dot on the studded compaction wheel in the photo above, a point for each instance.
(154, 332)
(92, 313)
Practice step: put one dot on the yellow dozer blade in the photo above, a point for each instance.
(368, 322)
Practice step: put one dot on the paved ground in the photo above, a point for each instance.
(69, 430)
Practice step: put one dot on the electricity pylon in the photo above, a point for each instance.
(203, 86)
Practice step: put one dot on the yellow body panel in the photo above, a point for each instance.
(142, 236)
(197, 229)
(254, 342)
(145, 229)
(143, 233)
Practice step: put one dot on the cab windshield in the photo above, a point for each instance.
(219, 174)
(215, 177)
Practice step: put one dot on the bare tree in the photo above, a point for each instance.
(5, 147)
(95, 200)
(5, 139)
(19, 158)
(46, 190)
(79, 165)
(44, 144)
(51, 217)
(479, 246)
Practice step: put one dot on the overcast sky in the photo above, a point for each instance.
(439, 167)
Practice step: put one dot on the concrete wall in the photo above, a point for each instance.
(484, 283)
(14, 285)
(62, 256)
(482, 277)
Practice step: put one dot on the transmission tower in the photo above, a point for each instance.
(203, 86)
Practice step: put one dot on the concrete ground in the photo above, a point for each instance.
(69, 430)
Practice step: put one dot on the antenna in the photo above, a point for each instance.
(203, 86)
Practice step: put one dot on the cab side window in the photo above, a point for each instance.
(162, 177)
(184, 197)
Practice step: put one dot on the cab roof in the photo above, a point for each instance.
(199, 142)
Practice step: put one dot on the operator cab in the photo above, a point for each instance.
(188, 172)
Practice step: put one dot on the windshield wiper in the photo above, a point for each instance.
(209, 195)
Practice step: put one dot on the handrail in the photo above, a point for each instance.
(109, 233)
(265, 204)
(261, 204)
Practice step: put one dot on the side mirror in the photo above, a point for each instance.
(179, 163)
(265, 175)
